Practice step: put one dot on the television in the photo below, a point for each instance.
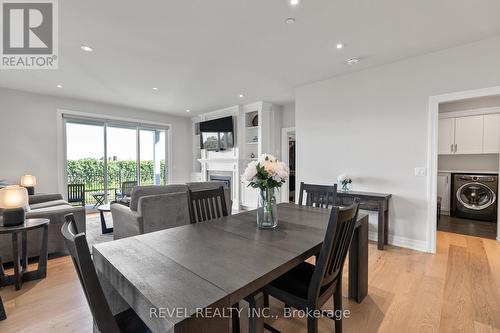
(217, 134)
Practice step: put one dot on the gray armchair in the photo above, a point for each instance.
(152, 208)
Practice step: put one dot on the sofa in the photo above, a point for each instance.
(54, 208)
(154, 208)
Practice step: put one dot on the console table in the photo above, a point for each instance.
(20, 260)
(374, 202)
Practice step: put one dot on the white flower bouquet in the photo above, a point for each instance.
(266, 174)
(345, 181)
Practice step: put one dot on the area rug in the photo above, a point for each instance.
(94, 232)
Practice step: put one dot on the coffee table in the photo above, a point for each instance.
(104, 209)
(20, 260)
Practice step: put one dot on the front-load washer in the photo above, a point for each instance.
(475, 196)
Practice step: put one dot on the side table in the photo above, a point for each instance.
(20, 260)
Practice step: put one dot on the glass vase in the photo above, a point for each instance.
(267, 211)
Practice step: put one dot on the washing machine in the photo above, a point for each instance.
(475, 196)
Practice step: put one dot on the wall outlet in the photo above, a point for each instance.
(420, 172)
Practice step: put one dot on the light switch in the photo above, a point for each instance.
(420, 172)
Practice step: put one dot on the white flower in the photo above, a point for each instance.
(282, 171)
(341, 178)
(251, 171)
(266, 157)
(270, 167)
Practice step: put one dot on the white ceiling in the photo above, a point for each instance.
(202, 54)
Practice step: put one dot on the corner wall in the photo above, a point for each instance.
(28, 135)
(373, 125)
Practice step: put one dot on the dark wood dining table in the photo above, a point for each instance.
(185, 279)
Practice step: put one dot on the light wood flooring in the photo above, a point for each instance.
(455, 290)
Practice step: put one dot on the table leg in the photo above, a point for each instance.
(42, 260)
(381, 225)
(104, 228)
(386, 223)
(358, 263)
(16, 261)
(24, 251)
(3, 315)
(256, 305)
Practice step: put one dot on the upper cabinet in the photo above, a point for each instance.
(446, 136)
(491, 143)
(470, 135)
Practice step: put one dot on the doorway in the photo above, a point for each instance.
(439, 133)
(106, 157)
(288, 143)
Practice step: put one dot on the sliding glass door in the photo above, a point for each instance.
(109, 158)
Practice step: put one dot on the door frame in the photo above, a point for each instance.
(285, 132)
(62, 173)
(432, 154)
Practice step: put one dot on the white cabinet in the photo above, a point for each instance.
(491, 141)
(469, 135)
(446, 136)
(444, 191)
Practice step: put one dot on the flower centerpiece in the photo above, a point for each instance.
(345, 181)
(266, 174)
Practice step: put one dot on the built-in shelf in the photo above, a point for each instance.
(252, 127)
(253, 143)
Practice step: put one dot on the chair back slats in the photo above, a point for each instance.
(335, 247)
(79, 250)
(322, 196)
(76, 193)
(127, 187)
(207, 205)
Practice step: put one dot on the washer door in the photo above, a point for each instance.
(475, 196)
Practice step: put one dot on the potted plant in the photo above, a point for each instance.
(266, 174)
(345, 182)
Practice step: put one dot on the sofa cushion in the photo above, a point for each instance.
(141, 191)
(48, 204)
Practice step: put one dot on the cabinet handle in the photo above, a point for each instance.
(455, 147)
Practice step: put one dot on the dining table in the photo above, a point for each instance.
(187, 278)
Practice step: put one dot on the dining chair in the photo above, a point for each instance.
(207, 205)
(126, 190)
(308, 287)
(318, 195)
(76, 194)
(3, 315)
(125, 322)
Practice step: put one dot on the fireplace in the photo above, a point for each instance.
(218, 178)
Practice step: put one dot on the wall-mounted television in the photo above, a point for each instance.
(217, 134)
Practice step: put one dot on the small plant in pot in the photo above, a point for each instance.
(345, 182)
(266, 174)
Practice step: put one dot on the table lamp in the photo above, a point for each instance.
(13, 200)
(29, 182)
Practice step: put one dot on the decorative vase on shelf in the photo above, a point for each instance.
(345, 183)
(266, 174)
(267, 211)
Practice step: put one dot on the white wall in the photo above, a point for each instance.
(469, 163)
(288, 115)
(28, 137)
(373, 125)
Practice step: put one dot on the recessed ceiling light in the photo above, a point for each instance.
(352, 61)
(290, 20)
(188, 110)
(340, 46)
(155, 88)
(59, 86)
(86, 48)
(241, 95)
(294, 2)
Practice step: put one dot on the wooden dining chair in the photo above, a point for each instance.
(308, 287)
(207, 205)
(318, 195)
(125, 322)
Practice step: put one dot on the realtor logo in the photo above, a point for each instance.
(29, 34)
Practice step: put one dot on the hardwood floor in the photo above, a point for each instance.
(455, 290)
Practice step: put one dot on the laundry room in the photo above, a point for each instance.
(468, 166)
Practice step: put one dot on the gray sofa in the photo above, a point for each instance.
(54, 208)
(154, 208)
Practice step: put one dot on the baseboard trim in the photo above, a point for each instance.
(399, 241)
